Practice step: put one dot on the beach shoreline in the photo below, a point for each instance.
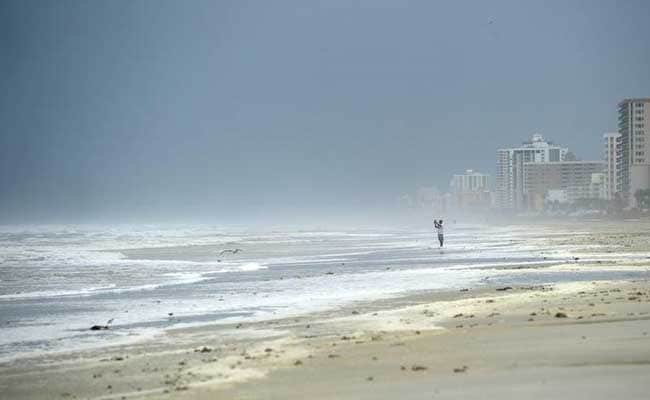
(578, 338)
(478, 335)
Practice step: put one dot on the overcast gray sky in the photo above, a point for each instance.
(233, 110)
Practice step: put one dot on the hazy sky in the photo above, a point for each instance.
(232, 110)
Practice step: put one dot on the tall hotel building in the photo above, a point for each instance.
(510, 169)
(633, 158)
(611, 146)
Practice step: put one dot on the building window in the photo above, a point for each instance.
(639, 105)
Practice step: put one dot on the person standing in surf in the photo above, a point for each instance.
(441, 231)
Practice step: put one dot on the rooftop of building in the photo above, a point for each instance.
(634, 100)
(536, 142)
(568, 162)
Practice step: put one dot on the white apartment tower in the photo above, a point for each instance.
(510, 169)
(633, 158)
(470, 181)
(611, 146)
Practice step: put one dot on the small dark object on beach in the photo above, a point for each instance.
(464, 290)
(458, 315)
(329, 273)
(503, 289)
(238, 326)
(576, 258)
(99, 327)
(102, 327)
(560, 315)
(170, 314)
(333, 356)
(297, 363)
(203, 349)
(403, 368)
(417, 332)
(268, 350)
(355, 312)
(418, 368)
(461, 369)
(370, 379)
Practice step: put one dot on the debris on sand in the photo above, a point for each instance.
(102, 327)
(203, 349)
(503, 289)
(416, 367)
(560, 315)
(297, 363)
(461, 369)
(99, 327)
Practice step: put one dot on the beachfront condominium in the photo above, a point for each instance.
(574, 180)
(633, 161)
(510, 169)
(471, 190)
(609, 156)
(470, 181)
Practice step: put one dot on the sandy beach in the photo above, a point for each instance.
(586, 339)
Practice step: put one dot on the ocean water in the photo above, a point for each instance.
(58, 281)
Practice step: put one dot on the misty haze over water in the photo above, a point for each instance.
(292, 112)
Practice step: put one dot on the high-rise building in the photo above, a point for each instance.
(510, 169)
(576, 179)
(471, 190)
(633, 160)
(470, 181)
(611, 145)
